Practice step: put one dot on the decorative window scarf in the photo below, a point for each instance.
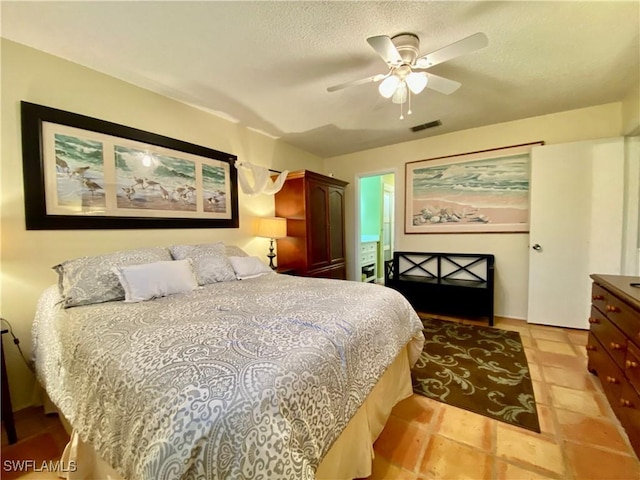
(262, 182)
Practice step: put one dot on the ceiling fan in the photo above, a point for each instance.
(408, 72)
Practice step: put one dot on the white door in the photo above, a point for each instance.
(387, 222)
(576, 199)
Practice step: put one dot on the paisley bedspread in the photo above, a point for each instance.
(250, 379)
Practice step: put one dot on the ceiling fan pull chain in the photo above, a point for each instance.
(409, 99)
(401, 115)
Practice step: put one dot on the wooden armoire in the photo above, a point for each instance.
(313, 205)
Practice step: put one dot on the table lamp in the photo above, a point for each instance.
(271, 228)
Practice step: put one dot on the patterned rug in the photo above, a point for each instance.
(480, 369)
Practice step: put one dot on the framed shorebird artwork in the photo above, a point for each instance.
(478, 192)
(82, 172)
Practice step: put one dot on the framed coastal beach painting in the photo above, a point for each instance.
(478, 192)
(82, 172)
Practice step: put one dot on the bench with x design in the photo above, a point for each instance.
(456, 284)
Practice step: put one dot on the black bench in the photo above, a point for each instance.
(455, 284)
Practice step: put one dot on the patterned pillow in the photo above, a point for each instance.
(210, 261)
(88, 280)
(235, 251)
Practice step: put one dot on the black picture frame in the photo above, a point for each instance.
(35, 165)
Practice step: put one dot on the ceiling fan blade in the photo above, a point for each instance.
(441, 84)
(362, 81)
(383, 45)
(461, 47)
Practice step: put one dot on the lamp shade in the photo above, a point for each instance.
(271, 227)
(388, 86)
(416, 81)
(400, 95)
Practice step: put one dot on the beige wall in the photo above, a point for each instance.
(631, 112)
(27, 256)
(511, 250)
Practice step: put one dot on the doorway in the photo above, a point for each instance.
(376, 216)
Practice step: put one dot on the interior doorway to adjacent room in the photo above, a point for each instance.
(374, 244)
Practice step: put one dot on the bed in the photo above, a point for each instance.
(267, 377)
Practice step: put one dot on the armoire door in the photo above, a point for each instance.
(318, 219)
(576, 208)
(336, 225)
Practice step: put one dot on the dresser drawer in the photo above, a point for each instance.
(368, 247)
(632, 366)
(613, 340)
(367, 259)
(597, 320)
(609, 374)
(627, 319)
(599, 297)
(629, 414)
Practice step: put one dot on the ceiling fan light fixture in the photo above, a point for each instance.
(389, 86)
(400, 95)
(416, 82)
(401, 54)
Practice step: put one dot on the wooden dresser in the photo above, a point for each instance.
(614, 347)
(313, 205)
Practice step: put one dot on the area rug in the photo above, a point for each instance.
(480, 369)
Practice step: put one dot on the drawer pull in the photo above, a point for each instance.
(591, 348)
(595, 320)
(616, 346)
(625, 403)
(612, 308)
(613, 380)
(631, 364)
(598, 297)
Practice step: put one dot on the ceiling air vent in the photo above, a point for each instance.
(424, 126)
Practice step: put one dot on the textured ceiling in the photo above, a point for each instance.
(267, 65)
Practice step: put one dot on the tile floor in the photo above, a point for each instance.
(40, 438)
(580, 440)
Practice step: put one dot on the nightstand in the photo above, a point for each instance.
(7, 409)
(286, 271)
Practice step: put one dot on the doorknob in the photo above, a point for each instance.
(536, 247)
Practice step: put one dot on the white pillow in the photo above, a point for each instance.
(249, 267)
(159, 279)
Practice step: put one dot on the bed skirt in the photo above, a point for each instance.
(350, 456)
